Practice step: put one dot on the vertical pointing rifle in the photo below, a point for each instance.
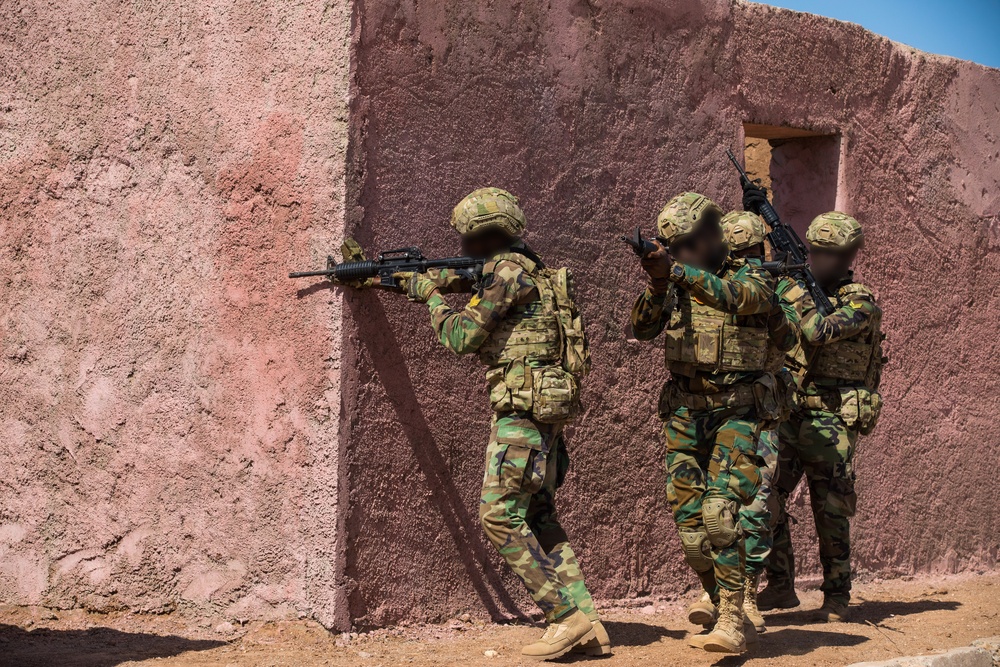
(786, 243)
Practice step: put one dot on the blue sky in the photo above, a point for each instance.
(968, 29)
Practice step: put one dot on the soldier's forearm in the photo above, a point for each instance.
(738, 296)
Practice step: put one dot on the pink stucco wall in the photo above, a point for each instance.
(182, 429)
(169, 407)
(595, 113)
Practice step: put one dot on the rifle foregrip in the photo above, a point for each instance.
(356, 270)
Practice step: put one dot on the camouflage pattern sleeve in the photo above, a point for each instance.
(790, 295)
(747, 292)
(650, 313)
(849, 320)
(504, 284)
(450, 281)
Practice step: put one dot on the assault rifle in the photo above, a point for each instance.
(786, 244)
(639, 245)
(401, 260)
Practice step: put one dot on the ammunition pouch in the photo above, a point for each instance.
(857, 407)
(549, 393)
(860, 408)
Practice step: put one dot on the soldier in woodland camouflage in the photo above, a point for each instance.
(525, 327)
(745, 232)
(719, 315)
(838, 362)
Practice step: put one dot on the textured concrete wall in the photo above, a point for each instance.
(179, 425)
(595, 113)
(169, 409)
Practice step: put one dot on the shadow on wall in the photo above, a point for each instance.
(94, 647)
(375, 331)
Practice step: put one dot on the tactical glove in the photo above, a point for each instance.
(417, 286)
(754, 195)
(352, 252)
(656, 264)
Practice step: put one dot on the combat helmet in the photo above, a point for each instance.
(489, 208)
(835, 230)
(743, 229)
(682, 214)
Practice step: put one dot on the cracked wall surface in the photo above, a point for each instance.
(185, 428)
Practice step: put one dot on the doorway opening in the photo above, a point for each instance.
(799, 167)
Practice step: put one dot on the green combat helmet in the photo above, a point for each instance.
(682, 214)
(489, 208)
(835, 230)
(743, 229)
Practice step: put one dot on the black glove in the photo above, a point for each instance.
(754, 195)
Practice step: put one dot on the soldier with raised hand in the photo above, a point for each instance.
(745, 232)
(524, 325)
(717, 314)
(838, 363)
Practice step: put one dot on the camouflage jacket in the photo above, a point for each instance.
(738, 288)
(852, 317)
(504, 286)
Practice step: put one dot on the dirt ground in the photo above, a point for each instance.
(890, 618)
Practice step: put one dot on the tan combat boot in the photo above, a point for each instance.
(561, 636)
(703, 611)
(728, 635)
(834, 610)
(599, 645)
(777, 596)
(750, 611)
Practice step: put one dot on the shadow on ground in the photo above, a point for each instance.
(792, 641)
(94, 647)
(627, 633)
(870, 611)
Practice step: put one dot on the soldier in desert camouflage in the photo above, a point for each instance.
(838, 363)
(524, 325)
(719, 315)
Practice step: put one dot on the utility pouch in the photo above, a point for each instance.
(556, 396)
(669, 401)
(869, 408)
(860, 408)
(766, 398)
(511, 387)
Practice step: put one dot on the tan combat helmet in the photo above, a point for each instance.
(743, 229)
(682, 214)
(489, 208)
(835, 230)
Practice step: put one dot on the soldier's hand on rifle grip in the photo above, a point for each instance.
(657, 266)
(754, 195)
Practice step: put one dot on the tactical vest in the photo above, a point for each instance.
(700, 338)
(858, 358)
(529, 331)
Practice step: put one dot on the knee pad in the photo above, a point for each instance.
(719, 516)
(696, 550)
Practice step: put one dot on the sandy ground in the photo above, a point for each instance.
(890, 618)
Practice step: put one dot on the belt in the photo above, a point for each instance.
(739, 396)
